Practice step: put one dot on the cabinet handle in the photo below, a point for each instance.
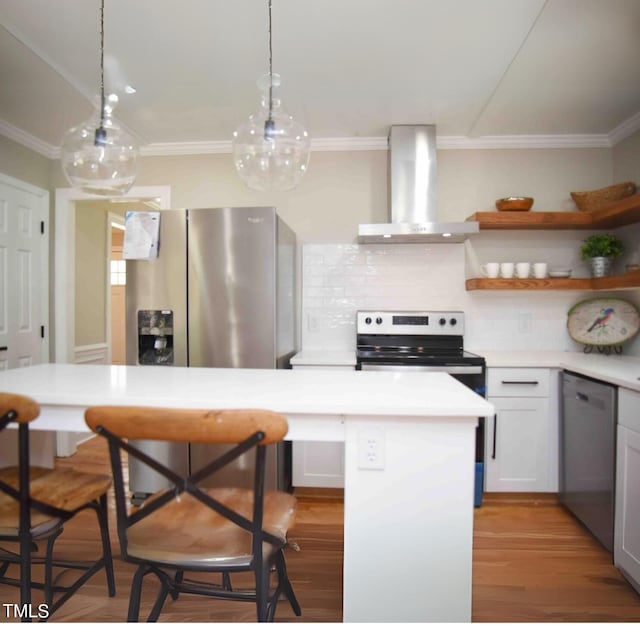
(4, 348)
(495, 432)
(520, 382)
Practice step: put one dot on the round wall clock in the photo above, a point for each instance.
(603, 322)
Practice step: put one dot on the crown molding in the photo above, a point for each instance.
(350, 144)
(224, 146)
(380, 143)
(28, 141)
(626, 129)
(524, 142)
(186, 148)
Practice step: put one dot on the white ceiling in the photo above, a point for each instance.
(524, 72)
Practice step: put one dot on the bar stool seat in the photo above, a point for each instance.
(35, 504)
(60, 488)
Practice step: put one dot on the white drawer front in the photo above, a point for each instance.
(629, 409)
(517, 382)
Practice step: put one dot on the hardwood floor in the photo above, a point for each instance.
(532, 562)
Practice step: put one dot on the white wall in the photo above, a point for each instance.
(340, 279)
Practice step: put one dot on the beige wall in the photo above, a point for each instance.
(472, 180)
(23, 164)
(626, 159)
(91, 273)
(345, 188)
(341, 190)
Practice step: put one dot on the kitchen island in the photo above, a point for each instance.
(409, 462)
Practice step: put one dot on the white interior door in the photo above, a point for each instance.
(24, 296)
(24, 213)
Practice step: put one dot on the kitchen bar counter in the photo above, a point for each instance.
(409, 449)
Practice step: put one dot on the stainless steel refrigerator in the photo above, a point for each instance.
(221, 293)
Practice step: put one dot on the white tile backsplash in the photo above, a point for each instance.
(339, 279)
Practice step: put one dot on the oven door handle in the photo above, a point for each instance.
(410, 368)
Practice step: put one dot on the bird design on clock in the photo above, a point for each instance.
(602, 319)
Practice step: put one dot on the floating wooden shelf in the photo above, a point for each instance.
(629, 280)
(616, 214)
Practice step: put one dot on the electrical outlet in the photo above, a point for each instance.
(312, 322)
(371, 448)
(525, 320)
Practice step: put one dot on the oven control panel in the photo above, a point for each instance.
(427, 323)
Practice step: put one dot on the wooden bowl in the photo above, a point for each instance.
(514, 204)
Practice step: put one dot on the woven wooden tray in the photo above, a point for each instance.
(589, 200)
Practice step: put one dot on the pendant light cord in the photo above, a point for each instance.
(101, 134)
(270, 66)
(269, 124)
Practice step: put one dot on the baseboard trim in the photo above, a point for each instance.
(321, 493)
(516, 497)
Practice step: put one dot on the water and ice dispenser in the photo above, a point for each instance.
(155, 337)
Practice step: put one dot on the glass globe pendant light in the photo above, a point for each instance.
(98, 156)
(270, 149)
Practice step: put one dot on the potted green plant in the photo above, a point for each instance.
(601, 249)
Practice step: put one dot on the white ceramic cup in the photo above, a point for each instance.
(523, 269)
(490, 269)
(507, 269)
(540, 269)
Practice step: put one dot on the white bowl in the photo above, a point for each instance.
(560, 273)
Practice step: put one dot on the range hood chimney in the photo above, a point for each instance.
(413, 197)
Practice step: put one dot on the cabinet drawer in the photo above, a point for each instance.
(629, 409)
(517, 382)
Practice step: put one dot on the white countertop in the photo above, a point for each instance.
(621, 370)
(324, 358)
(318, 392)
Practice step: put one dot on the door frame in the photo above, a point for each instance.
(43, 209)
(65, 258)
(112, 219)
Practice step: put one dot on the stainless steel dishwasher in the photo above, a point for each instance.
(587, 453)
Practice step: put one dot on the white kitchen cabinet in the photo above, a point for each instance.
(626, 549)
(521, 443)
(318, 464)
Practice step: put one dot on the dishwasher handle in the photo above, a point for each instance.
(495, 435)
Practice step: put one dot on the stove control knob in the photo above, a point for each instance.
(367, 320)
(442, 322)
(453, 322)
(378, 320)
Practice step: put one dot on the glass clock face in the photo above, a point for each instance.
(603, 322)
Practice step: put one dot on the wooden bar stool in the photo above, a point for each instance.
(190, 529)
(35, 504)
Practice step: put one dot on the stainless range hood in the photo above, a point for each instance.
(413, 194)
